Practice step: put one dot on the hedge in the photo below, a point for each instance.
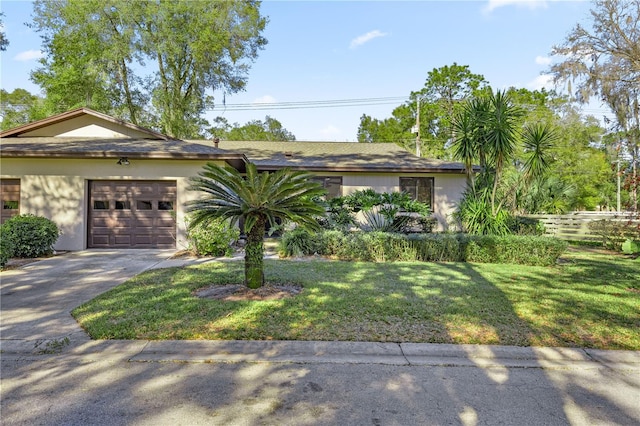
(384, 247)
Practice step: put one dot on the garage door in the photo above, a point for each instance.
(132, 214)
(9, 198)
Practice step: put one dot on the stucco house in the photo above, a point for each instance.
(109, 183)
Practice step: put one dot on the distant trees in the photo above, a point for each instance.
(4, 42)
(20, 107)
(604, 61)
(97, 53)
(268, 130)
(443, 91)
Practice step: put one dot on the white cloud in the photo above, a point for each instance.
(543, 81)
(266, 99)
(530, 4)
(364, 38)
(330, 130)
(28, 55)
(543, 60)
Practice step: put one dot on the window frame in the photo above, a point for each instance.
(414, 195)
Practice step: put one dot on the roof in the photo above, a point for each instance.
(84, 133)
(65, 116)
(55, 147)
(336, 156)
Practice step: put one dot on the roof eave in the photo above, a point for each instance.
(363, 169)
(238, 161)
(73, 114)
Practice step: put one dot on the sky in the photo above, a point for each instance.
(356, 51)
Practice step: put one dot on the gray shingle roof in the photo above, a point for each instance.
(113, 148)
(312, 156)
(336, 156)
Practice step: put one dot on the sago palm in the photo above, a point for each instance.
(259, 199)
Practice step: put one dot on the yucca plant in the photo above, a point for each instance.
(260, 199)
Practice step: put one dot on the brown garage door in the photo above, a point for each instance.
(9, 198)
(132, 214)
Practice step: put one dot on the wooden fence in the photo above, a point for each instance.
(575, 226)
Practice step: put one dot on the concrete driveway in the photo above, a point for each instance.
(36, 300)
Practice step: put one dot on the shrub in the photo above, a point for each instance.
(32, 236)
(474, 212)
(7, 246)
(514, 249)
(384, 246)
(212, 238)
(386, 212)
(615, 232)
(520, 225)
(300, 242)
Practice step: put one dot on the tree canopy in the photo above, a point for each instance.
(256, 130)
(151, 63)
(604, 61)
(4, 41)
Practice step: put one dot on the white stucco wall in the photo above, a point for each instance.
(58, 189)
(86, 126)
(448, 190)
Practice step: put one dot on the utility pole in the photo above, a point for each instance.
(418, 148)
(618, 194)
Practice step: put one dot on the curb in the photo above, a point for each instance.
(409, 354)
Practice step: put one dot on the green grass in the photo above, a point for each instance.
(589, 300)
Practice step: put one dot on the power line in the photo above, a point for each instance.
(333, 103)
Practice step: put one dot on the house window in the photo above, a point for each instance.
(101, 205)
(333, 185)
(165, 205)
(419, 188)
(123, 205)
(144, 205)
(10, 205)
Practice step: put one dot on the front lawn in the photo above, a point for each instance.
(588, 300)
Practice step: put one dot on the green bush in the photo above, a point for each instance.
(7, 246)
(514, 249)
(32, 236)
(299, 242)
(614, 233)
(520, 225)
(384, 247)
(212, 238)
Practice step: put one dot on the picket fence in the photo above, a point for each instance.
(575, 226)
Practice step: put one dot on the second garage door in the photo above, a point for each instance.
(132, 214)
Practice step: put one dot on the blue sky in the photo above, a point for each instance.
(337, 50)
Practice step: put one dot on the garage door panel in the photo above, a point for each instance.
(138, 214)
(9, 198)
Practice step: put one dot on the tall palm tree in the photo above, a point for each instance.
(501, 136)
(259, 199)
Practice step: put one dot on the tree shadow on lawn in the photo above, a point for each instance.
(585, 301)
(389, 302)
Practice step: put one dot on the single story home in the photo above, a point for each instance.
(111, 184)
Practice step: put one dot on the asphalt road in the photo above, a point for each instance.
(112, 385)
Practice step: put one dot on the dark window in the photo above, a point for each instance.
(333, 185)
(101, 205)
(165, 205)
(123, 205)
(144, 205)
(419, 188)
(10, 205)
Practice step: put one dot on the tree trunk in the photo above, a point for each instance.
(254, 255)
